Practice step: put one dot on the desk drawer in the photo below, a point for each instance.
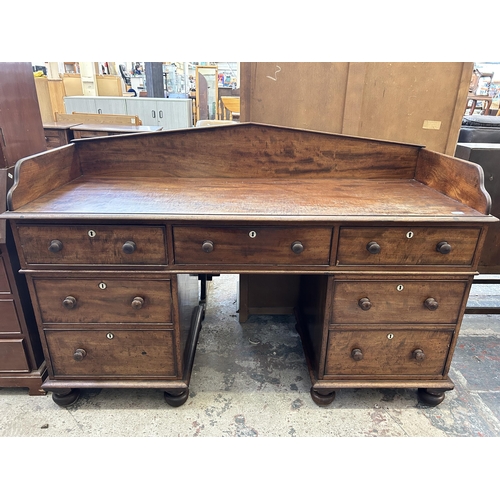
(401, 301)
(119, 353)
(108, 300)
(93, 244)
(300, 246)
(375, 246)
(387, 352)
(9, 322)
(13, 356)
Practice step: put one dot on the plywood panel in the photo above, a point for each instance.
(420, 103)
(302, 95)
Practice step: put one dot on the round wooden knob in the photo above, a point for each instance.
(137, 302)
(443, 247)
(297, 247)
(55, 246)
(373, 247)
(69, 302)
(431, 304)
(79, 354)
(364, 303)
(418, 354)
(207, 246)
(357, 354)
(129, 247)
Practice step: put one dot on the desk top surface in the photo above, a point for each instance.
(247, 199)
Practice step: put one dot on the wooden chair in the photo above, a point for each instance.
(231, 105)
(473, 97)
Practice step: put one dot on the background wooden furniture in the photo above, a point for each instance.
(386, 238)
(230, 107)
(21, 134)
(50, 94)
(109, 85)
(97, 118)
(72, 84)
(83, 131)
(419, 103)
(58, 134)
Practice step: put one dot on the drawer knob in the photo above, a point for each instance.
(297, 247)
(418, 354)
(431, 304)
(55, 246)
(207, 246)
(364, 303)
(69, 302)
(137, 302)
(357, 354)
(373, 247)
(443, 247)
(129, 247)
(79, 354)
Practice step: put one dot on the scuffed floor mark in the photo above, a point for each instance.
(242, 430)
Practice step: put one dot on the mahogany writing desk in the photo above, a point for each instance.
(113, 232)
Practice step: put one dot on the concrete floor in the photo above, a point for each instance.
(251, 380)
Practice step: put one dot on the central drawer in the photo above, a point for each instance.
(294, 246)
(397, 301)
(387, 352)
(108, 300)
(117, 353)
(369, 246)
(93, 244)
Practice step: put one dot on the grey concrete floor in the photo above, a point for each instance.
(251, 380)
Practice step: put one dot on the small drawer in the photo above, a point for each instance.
(403, 246)
(290, 246)
(9, 322)
(93, 244)
(13, 356)
(378, 353)
(104, 300)
(117, 353)
(53, 142)
(402, 301)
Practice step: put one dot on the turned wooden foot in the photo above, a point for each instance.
(176, 398)
(431, 397)
(67, 398)
(322, 397)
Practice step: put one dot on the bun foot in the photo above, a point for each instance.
(67, 398)
(176, 399)
(430, 397)
(322, 397)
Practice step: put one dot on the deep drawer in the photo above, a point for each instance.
(13, 356)
(252, 245)
(112, 300)
(401, 301)
(375, 246)
(93, 244)
(9, 322)
(104, 353)
(387, 352)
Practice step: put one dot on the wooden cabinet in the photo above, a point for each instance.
(382, 241)
(166, 113)
(22, 362)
